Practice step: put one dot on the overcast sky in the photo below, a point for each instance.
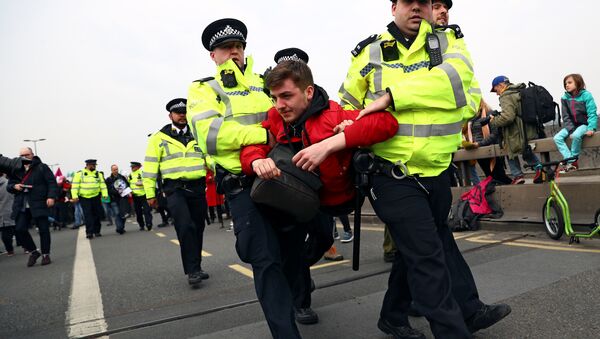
(93, 77)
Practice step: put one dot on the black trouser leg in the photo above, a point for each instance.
(44, 230)
(294, 265)
(142, 211)
(188, 208)
(92, 210)
(23, 222)
(7, 235)
(345, 222)
(498, 173)
(257, 244)
(409, 213)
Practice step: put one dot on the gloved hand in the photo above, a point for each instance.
(469, 145)
(485, 121)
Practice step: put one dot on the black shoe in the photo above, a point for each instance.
(89, 236)
(487, 316)
(97, 234)
(306, 316)
(412, 311)
(46, 260)
(149, 227)
(203, 275)
(194, 279)
(142, 228)
(389, 256)
(162, 224)
(33, 257)
(399, 332)
(120, 231)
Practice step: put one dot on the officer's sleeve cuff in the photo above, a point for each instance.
(393, 105)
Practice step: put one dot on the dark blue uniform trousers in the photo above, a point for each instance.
(428, 269)
(258, 244)
(92, 210)
(188, 207)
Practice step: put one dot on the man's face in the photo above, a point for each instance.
(290, 101)
(499, 88)
(114, 170)
(229, 50)
(91, 167)
(440, 13)
(409, 13)
(178, 119)
(26, 153)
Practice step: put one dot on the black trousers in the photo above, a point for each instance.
(498, 173)
(142, 211)
(23, 223)
(188, 207)
(258, 244)
(7, 235)
(319, 240)
(92, 212)
(429, 269)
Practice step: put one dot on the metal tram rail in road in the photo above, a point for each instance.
(140, 325)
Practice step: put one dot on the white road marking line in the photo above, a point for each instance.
(175, 241)
(85, 315)
(161, 235)
(204, 253)
(333, 263)
(243, 270)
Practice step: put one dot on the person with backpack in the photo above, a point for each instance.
(579, 117)
(515, 133)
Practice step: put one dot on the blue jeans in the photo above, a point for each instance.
(515, 164)
(114, 209)
(78, 214)
(577, 136)
(108, 212)
(473, 176)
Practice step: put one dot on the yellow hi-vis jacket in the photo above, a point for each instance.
(88, 184)
(430, 105)
(135, 183)
(170, 159)
(224, 119)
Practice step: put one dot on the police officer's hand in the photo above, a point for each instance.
(378, 105)
(75, 200)
(153, 203)
(265, 168)
(18, 187)
(311, 157)
(589, 133)
(340, 128)
(49, 202)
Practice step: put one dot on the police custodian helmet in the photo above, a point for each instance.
(222, 31)
(295, 54)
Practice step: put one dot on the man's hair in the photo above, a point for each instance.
(297, 71)
(579, 83)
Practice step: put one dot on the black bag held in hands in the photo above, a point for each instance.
(295, 192)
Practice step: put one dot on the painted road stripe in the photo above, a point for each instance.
(204, 253)
(243, 270)
(161, 235)
(85, 315)
(521, 243)
(367, 228)
(333, 263)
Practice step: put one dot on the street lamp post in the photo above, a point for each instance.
(35, 141)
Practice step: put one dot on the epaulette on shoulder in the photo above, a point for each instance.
(456, 28)
(361, 45)
(204, 79)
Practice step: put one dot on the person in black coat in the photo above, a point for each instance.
(35, 192)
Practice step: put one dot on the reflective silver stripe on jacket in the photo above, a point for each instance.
(250, 119)
(224, 97)
(459, 56)
(425, 131)
(150, 159)
(182, 169)
(165, 144)
(181, 155)
(474, 90)
(375, 61)
(443, 40)
(349, 98)
(150, 175)
(202, 116)
(211, 138)
(456, 83)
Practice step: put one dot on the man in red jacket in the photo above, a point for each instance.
(304, 115)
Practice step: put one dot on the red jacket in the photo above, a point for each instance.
(212, 198)
(319, 120)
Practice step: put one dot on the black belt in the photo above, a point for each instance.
(395, 171)
(233, 183)
(180, 183)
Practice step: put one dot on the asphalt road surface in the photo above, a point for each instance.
(133, 286)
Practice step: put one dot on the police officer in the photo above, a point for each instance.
(173, 155)
(430, 91)
(88, 187)
(225, 112)
(142, 210)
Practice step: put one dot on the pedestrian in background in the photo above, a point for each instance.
(35, 190)
(7, 223)
(143, 213)
(89, 188)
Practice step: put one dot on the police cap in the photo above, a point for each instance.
(222, 31)
(90, 162)
(177, 105)
(292, 53)
(135, 164)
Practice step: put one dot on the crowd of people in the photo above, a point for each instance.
(407, 95)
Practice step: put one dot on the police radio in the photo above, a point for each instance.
(434, 50)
